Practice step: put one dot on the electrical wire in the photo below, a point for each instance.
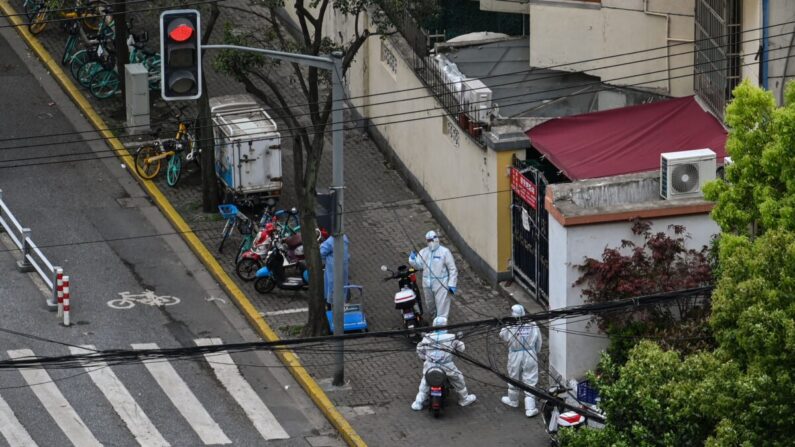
(521, 72)
(255, 139)
(288, 131)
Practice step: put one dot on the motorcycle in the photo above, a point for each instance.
(408, 299)
(272, 231)
(555, 415)
(274, 273)
(439, 389)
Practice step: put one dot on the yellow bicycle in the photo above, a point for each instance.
(149, 156)
(89, 13)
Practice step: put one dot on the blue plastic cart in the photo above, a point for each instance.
(354, 319)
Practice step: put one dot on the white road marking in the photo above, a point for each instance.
(229, 375)
(55, 403)
(285, 312)
(12, 430)
(122, 401)
(183, 398)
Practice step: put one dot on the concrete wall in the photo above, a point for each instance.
(594, 30)
(571, 353)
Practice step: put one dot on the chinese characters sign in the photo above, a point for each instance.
(524, 188)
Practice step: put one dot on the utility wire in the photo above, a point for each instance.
(302, 127)
(528, 71)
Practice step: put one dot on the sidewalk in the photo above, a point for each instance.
(383, 375)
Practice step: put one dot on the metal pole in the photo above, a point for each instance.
(339, 234)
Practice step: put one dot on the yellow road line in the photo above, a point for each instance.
(289, 359)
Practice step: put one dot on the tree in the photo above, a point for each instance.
(659, 399)
(662, 263)
(257, 75)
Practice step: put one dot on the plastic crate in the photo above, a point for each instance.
(228, 211)
(586, 394)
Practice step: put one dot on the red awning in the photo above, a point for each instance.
(627, 140)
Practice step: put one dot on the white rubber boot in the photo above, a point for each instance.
(530, 409)
(511, 403)
(468, 400)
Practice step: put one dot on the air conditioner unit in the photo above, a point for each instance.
(683, 174)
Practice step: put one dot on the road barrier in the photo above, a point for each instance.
(32, 257)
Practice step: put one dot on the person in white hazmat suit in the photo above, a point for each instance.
(435, 349)
(524, 344)
(439, 273)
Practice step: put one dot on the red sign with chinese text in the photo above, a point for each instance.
(524, 188)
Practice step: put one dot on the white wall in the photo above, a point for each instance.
(620, 26)
(456, 173)
(572, 354)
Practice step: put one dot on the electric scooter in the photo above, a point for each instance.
(273, 274)
(408, 299)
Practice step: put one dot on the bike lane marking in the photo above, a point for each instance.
(122, 401)
(229, 375)
(12, 429)
(183, 398)
(55, 403)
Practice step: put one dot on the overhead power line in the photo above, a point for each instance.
(527, 71)
(288, 132)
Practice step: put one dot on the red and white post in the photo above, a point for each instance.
(66, 308)
(59, 291)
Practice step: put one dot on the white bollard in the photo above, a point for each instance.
(66, 301)
(59, 288)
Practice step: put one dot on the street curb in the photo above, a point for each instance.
(288, 358)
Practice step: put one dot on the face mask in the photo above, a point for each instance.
(433, 245)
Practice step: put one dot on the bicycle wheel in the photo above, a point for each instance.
(226, 232)
(71, 43)
(93, 14)
(246, 269)
(264, 285)
(39, 21)
(104, 84)
(146, 169)
(174, 169)
(87, 72)
(78, 60)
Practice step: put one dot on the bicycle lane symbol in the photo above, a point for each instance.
(148, 297)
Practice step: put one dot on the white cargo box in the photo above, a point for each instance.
(248, 156)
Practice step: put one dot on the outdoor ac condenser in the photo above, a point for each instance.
(683, 174)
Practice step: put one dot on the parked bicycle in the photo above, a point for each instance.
(40, 12)
(148, 157)
(106, 32)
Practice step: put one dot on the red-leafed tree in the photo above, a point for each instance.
(662, 263)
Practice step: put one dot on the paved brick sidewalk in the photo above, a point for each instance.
(384, 221)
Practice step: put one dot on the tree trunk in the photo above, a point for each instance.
(316, 320)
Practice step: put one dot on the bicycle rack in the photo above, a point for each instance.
(32, 257)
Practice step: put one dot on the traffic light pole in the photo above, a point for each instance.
(333, 63)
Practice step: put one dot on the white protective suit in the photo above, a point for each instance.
(524, 344)
(435, 349)
(439, 274)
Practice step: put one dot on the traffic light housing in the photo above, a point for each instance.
(180, 55)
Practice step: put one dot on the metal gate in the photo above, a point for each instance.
(530, 228)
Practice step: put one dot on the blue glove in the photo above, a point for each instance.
(453, 290)
(412, 256)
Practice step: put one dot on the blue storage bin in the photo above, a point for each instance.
(586, 394)
(228, 211)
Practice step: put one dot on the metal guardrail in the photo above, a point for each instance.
(32, 257)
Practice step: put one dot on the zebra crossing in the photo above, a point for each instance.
(140, 426)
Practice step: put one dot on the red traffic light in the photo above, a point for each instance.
(180, 30)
